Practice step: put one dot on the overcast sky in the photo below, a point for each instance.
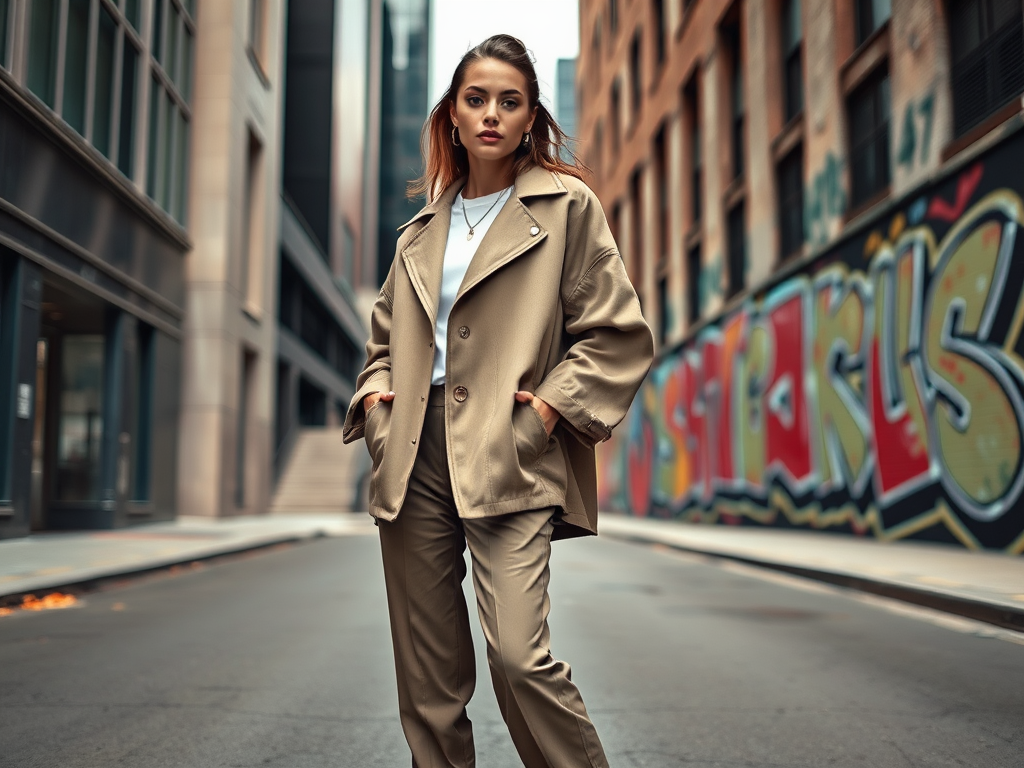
(549, 28)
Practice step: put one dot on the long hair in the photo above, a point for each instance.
(444, 162)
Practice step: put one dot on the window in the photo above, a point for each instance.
(5, 12)
(664, 311)
(868, 110)
(616, 116)
(869, 15)
(613, 17)
(792, 38)
(661, 187)
(693, 123)
(693, 270)
(85, 61)
(737, 249)
(636, 196)
(598, 150)
(170, 113)
(790, 184)
(658, 14)
(595, 40)
(42, 49)
(736, 100)
(250, 250)
(987, 48)
(636, 73)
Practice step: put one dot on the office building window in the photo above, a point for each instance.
(170, 113)
(869, 15)
(868, 110)
(595, 40)
(737, 249)
(613, 16)
(597, 153)
(987, 47)
(793, 74)
(9, 312)
(660, 30)
(5, 13)
(44, 18)
(790, 184)
(76, 64)
(85, 60)
(693, 271)
(636, 73)
(661, 190)
(251, 249)
(692, 117)
(246, 380)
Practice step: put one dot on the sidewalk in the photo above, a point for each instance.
(48, 561)
(986, 586)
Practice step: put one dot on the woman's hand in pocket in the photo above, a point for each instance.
(547, 414)
(374, 397)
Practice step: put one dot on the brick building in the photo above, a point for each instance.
(730, 137)
(821, 205)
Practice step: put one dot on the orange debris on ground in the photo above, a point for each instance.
(50, 601)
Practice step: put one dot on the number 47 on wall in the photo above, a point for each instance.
(908, 142)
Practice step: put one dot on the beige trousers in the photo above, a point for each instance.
(423, 568)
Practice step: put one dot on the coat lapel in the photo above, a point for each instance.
(514, 230)
(508, 237)
(424, 255)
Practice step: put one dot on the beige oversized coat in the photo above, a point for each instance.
(546, 307)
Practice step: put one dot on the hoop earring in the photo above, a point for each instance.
(454, 142)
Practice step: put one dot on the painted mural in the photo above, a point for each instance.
(879, 390)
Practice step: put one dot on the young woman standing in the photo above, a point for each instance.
(506, 342)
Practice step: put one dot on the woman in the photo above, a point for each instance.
(506, 342)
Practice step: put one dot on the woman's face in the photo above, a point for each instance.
(491, 109)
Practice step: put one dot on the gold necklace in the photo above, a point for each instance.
(472, 227)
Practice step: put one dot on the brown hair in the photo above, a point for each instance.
(445, 163)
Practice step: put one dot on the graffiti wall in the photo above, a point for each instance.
(880, 390)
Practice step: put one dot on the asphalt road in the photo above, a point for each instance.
(283, 658)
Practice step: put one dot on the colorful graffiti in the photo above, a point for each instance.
(878, 391)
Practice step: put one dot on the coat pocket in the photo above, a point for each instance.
(530, 434)
(377, 426)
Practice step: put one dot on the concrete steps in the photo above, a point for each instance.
(323, 474)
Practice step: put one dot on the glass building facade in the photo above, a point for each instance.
(94, 134)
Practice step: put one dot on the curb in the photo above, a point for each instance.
(1007, 617)
(95, 578)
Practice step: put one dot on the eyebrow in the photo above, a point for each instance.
(506, 92)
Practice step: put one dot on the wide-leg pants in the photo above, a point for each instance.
(424, 566)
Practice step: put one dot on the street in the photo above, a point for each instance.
(283, 658)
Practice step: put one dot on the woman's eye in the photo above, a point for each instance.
(510, 104)
(474, 101)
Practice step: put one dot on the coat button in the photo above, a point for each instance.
(461, 393)
(464, 332)
(534, 231)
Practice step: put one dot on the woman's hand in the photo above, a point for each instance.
(548, 414)
(371, 399)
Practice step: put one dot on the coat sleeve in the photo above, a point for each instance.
(376, 373)
(612, 350)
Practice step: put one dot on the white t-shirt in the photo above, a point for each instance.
(458, 253)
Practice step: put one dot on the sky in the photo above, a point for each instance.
(549, 28)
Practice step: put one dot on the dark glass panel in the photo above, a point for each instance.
(126, 142)
(76, 57)
(106, 40)
(42, 49)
